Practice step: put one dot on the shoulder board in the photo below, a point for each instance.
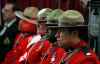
(86, 51)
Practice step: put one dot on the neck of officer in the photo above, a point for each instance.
(54, 44)
(76, 41)
(73, 44)
(10, 19)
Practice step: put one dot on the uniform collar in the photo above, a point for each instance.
(82, 43)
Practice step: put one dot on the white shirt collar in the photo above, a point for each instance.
(7, 25)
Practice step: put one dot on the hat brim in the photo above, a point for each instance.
(52, 24)
(69, 27)
(20, 15)
(42, 21)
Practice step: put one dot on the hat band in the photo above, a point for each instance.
(31, 18)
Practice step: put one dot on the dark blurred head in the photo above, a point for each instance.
(27, 27)
(8, 11)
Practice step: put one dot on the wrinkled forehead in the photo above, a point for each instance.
(64, 34)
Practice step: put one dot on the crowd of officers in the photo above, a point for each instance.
(27, 40)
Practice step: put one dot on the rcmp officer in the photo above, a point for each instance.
(71, 42)
(49, 56)
(37, 50)
(25, 35)
(43, 52)
(42, 46)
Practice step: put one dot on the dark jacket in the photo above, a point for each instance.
(9, 36)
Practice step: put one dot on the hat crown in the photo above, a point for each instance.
(54, 14)
(42, 14)
(71, 17)
(31, 12)
(72, 14)
(44, 11)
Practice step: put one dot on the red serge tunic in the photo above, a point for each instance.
(55, 56)
(83, 56)
(18, 49)
(38, 51)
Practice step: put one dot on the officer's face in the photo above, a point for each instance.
(65, 40)
(74, 38)
(68, 40)
(42, 28)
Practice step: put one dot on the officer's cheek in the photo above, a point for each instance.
(65, 41)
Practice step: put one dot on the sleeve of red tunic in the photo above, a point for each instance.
(60, 54)
(80, 57)
(90, 59)
(17, 51)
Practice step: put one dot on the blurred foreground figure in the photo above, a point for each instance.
(38, 51)
(21, 42)
(28, 30)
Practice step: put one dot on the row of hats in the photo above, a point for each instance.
(58, 16)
